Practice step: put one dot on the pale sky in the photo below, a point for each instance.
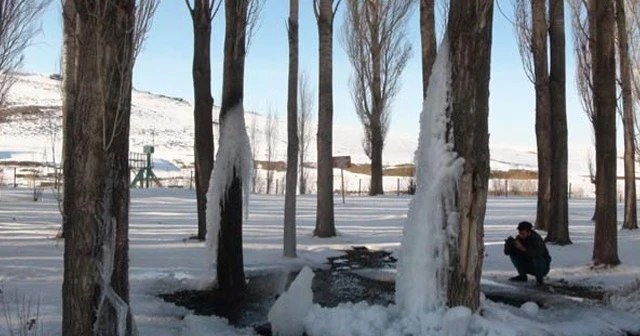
(164, 67)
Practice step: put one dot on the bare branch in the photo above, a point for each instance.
(315, 8)
(582, 51)
(144, 17)
(524, 34)
(335, 9)
(443, 8)
(254, 10)
(213, 9)
(18, 26)
(189, 6)
(374, 38)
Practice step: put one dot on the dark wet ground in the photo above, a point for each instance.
(336, 284)
(331, 286)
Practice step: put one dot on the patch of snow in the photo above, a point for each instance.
(530, 308)
(288, 312)
(627, 298)
(456, 321)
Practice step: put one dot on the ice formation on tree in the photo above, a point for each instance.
(234, 154)
(432, 220)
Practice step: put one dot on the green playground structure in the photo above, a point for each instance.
(142, 164)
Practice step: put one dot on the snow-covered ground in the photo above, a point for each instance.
(31, 261)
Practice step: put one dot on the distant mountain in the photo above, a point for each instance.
(32, 122)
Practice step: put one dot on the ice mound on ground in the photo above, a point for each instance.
(288, 312)
(530, 308)
(456, 321)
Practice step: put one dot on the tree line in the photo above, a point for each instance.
(102, 39)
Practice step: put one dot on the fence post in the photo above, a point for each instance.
(569, 190)
(359, 187)
(342, 182)
(398, 187)
(191, 180)
(15, 174)
(506, 188)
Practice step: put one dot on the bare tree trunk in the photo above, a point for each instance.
(230, 265)
(470, 54)
(201, 15)
(292, 135)
(428, 41)
(253, 132)
(69, 59)
(558, 231)
(543, 112)
(376, 186)
(97, 199)
(271, 134)
(630, 208)
(305, 102)
(325, 222)
(377, 101)
(605, 247)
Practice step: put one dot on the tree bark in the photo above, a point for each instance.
(97, 180)
(230, 265)
(325, 222)
(292, 135)
(558, 232)
(69, 59)
(628, 122)
(428, 41)
(470, 55)
(377, 145)
(202, 112)
(377, 110)
(605, 247)
(543, 112)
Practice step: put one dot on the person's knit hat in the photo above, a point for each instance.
(524, 226)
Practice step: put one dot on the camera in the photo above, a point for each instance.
(510, 246)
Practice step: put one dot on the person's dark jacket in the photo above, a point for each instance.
(534, 245)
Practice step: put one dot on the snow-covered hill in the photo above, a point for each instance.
(28, 132)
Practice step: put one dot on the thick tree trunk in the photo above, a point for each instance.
(470, 56)
(376, 122)
(202, 112)
(630, 208)
(605, 247)
(558, 231)
(325, 223)
(543, 112)
(292, 135)
(428, 41)
(97, 181)
(376, 184)
(230, 265)
(69, 59)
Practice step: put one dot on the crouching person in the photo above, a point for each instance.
(528, 254)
